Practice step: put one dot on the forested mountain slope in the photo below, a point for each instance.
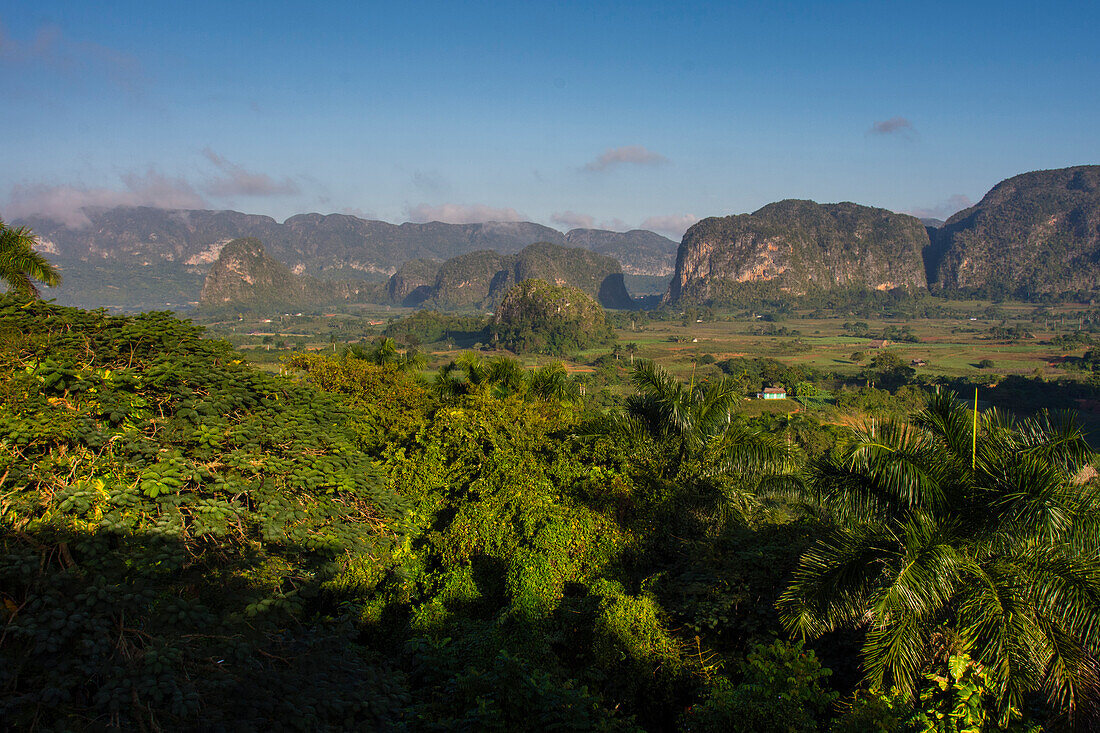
(244, 276)
(142, 257)
(1033, 234)
(480, 279)
(797, 247)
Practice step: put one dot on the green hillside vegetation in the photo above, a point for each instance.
(245, 277)
(480, 279)
(190, 543)
(411, 285)
(467, 280)
(167, 510)
(798, 247)
(1034, 234)
(535, 316)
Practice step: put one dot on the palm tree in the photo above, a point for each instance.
(383, 352)
(699, 447)
(469, 373)
(503, 377)
(552, 382)
(20, 265)
(948, 539)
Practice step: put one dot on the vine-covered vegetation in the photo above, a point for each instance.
(189, 543)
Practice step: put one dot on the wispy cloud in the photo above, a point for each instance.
(67, 203)
(944, 209)
(626, 155)
(236, 181)
(572, 220)
(899, 126)
(50, 47)
(462, 213)
(673, 224)
(356, 212)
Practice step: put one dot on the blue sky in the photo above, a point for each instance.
(617, 114)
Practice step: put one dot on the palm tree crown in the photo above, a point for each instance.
(947, 540)
(695, 421)
(20, 265)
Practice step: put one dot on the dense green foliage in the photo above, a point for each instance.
(189, 543)
(431, 327)
(949, 539)
(167, 511)
(536, 316)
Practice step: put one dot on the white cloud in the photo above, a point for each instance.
(944, 209)
(572, 220)
(236, 181)
(628, 154)
(66, 203)
(673, 224)
(462, 213)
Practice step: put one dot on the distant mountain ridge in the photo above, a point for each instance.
(640, 252)
(182, 244)
(1034, 236)
(245, 276)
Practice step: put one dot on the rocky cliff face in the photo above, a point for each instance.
(797, 247)
(1033, 234)
(480, 279)
(244, 275)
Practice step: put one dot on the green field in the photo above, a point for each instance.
(950, 347)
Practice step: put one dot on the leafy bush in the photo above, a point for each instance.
(781, 691)
(173, 510)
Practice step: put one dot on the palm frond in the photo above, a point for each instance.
(896, 653)
(1059, 438)
(1026, 497)
(835, 580)
(742, 450)
(552, 382)
(951, 425)
(21, 265)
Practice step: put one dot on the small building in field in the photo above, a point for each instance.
(878, 344)
(772, 393)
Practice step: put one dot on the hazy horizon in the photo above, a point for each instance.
(645, 116)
